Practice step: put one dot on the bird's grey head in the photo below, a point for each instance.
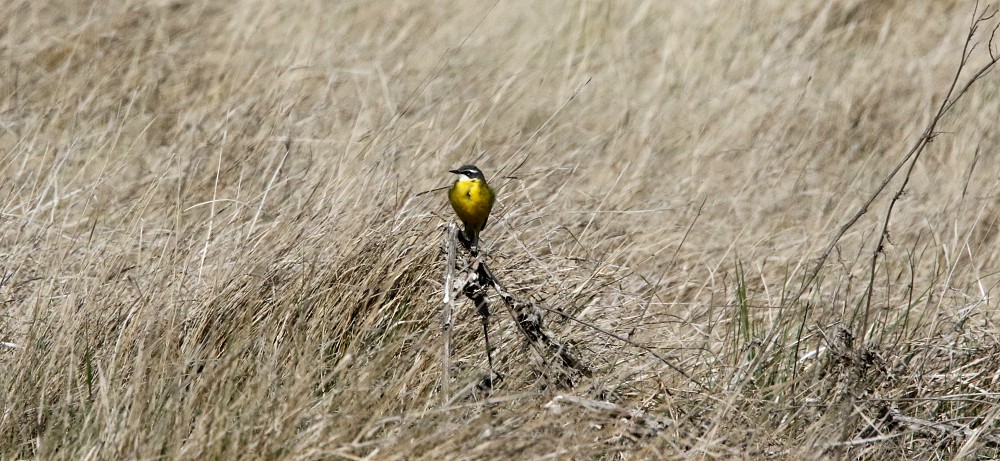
(468, 172)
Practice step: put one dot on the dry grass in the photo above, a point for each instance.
(221, 229)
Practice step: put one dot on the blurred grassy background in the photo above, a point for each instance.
(221, 228)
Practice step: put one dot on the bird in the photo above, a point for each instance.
(472, 200)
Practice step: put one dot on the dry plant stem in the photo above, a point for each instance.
(446, 318)
(670, 266)
(541, 127)
(529, 322)
(476, 279)
(633, 344)
(484, 314)
(935, 428)
(613, 410)
(951, 97)
(474, 288)
(949, 101)
(525, 313)
(426, 81)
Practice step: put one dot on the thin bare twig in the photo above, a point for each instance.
(670, 265)
(446, 319)
(951, 98)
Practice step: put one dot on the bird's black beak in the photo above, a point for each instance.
(454, 171)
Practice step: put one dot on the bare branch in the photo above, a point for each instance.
(952, 96)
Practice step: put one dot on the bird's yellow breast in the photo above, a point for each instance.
(472, 200)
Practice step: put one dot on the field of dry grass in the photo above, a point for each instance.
(221, 231)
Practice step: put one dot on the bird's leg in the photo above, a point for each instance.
(470, 241)
(463, 239)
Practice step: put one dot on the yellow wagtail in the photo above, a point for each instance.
(472, 200)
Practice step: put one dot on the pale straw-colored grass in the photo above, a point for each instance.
(220, 231)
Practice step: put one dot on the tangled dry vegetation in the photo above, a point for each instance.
(221, 229)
